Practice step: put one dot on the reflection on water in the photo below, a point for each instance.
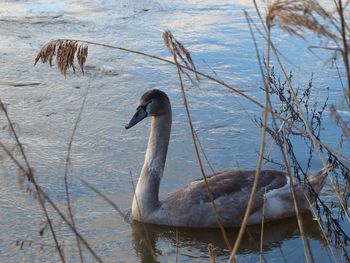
(148, 239)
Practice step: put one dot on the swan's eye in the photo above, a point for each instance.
(150, 101)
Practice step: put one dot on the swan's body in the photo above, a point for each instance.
(191, 206)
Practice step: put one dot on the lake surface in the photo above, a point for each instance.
(46, 105)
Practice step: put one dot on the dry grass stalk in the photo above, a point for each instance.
(41, 196)
(65, 51)
(173, 45)
(178, 50)
(27, 171)
(212, 253)
(261, 154)
(306, 244)
(323, 234)
(107, 199)
(70, 144)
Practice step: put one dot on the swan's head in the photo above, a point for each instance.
(153, 103)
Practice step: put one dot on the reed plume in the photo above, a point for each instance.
(64, 51)
(183, 55)
(297, 16)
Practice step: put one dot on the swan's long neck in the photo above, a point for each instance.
(146, 198)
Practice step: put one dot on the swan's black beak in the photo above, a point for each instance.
(140, 114)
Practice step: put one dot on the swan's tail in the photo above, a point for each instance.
(318, 179)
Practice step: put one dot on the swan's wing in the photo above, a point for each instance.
(230, 191)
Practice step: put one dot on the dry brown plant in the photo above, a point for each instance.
(212, 253)
(298, 15)
(64, 51)
(331, 23)
(179, 52)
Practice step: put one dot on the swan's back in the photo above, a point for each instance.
(191, 205)
(229, 183)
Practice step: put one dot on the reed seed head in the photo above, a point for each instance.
(65, 51)
(299, 15)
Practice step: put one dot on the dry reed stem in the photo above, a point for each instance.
(53, 205)
(262, 150)
(212, 253)
(321, 229)
(66, 186)
(42, 196)
(306, 245)
(107, 199)
(28, 172)
(171, 43)
(340, 122)
(177, 49)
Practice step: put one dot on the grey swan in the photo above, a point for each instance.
(190, 206)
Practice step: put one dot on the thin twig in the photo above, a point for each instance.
(306, 245)
(212, 253)
(66, 186)
(262, 150)
(30, 176)
(42, 196)
(107, 199)
(323, 233)
(210, 195)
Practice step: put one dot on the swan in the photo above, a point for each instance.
(190, 206)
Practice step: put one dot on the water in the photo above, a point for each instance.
(46, 104)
